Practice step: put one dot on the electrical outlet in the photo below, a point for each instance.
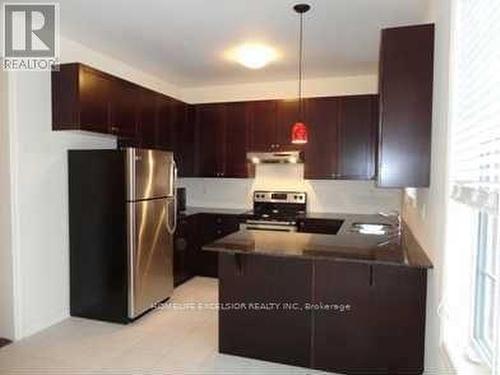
(423, 211)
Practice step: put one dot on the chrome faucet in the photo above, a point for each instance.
(394, 217)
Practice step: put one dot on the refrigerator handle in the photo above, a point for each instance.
(171, 229)
(173, 178)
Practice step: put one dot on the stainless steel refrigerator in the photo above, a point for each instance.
(151, 224)
(122, 219)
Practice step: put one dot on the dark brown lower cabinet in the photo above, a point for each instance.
(184, 249)
(258, 330)
(363, 318)
(192, 233)
(400, 325)
(383, 333)
(343, 341)
(211, 227)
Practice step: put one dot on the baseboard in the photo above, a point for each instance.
(44, 322)
(446, 359)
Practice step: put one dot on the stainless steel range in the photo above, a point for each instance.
(276, 211)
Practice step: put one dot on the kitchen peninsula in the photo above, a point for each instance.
(351, 303)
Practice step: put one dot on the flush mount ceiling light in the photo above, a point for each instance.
(253, 55)
(299, 129)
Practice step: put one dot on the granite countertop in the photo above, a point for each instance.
(393, 249)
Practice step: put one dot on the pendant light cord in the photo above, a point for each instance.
(301, 32)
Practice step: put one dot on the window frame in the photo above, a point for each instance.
(487, 242)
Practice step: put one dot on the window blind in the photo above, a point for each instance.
(475, 129)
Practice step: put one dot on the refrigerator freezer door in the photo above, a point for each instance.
(150, 254)
(150, 174)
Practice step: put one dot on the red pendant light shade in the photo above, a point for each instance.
(299, 133)
(299, 129)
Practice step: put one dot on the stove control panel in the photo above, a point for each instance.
(280, 197)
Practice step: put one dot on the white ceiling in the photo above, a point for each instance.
(182, 41)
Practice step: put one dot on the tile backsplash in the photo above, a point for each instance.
(323, 195)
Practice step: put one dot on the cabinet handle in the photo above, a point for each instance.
(238, 260)
(114, 129)
(372, 276)
(181, 244)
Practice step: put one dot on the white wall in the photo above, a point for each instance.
(40, 203)
(426, 214)
(323, 196)
(39, 189)
(332, 86)
(6, 260)
(76, 52)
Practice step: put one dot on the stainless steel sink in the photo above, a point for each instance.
(378, 229)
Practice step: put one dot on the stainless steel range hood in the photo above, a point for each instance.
(285, 157)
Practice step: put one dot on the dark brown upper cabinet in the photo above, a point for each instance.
(357, 137)
(320, 152)
(124, 109)
(342, 137)
(270, 124)
(86, 99)
(211, 140)
(262, 125)
(405, 80)
(221, 131)
(236, 119)
(210, 133)
(166, 123)
(287, 114)
(148, 118)
(95, 96)
(81, 99)
(184, 138)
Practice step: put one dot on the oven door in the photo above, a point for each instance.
(269, 226)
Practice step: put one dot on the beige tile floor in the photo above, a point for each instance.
(166, 341)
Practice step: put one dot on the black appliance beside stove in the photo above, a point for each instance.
(276, 211)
